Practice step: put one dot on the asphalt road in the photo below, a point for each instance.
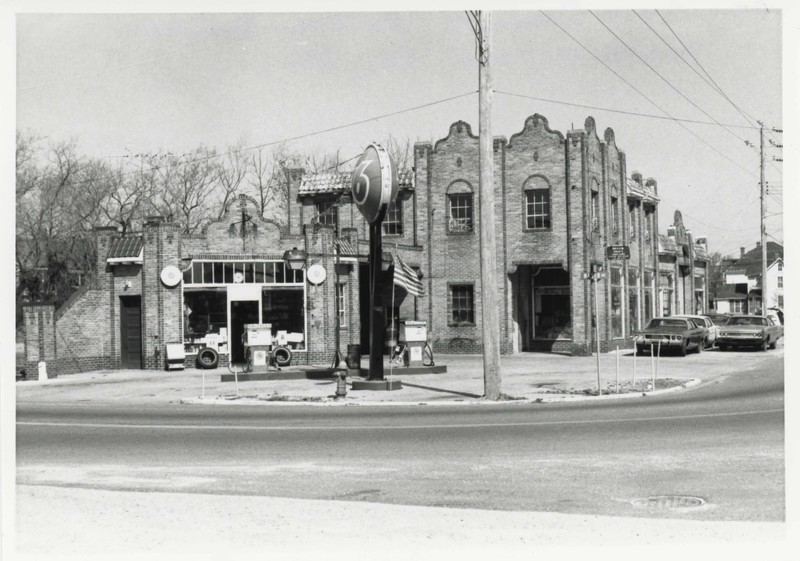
(722, 442)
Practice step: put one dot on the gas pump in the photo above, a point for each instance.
(257, 341)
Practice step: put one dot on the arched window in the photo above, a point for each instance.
(538, 210)
(460, 208)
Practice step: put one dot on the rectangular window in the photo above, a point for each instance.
(616, 301)
(340, 294)
(647, 291)
(284, 309)
(614, 216)
(780, 300)
(595, 211)
(462, 303)
(537, 208)
(460, 212)
(393, 223)
(633, 300)
(780, 282)
(647, 226)
(205, 312)
(632, 219)
(736, 306)
(327, 213)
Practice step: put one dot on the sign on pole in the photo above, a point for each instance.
(374, 183)
(618, 252)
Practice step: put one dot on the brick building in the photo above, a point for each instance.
(561, 200)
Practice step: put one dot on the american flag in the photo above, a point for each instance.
(407, 277)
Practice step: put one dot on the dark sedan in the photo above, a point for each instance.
(678, 334)
(749, 331)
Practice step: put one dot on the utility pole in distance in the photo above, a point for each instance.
(764, 300)
(481, 25)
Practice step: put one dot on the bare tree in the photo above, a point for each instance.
(231, 173)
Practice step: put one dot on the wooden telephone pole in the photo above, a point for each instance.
(764, 294)
(490, 322)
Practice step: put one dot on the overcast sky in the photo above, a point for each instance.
(125, 84)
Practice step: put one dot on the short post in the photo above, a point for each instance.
(658, 359)
(204, 383)
(653, 366)
(236, 380)
(617, 367)
(635, 352)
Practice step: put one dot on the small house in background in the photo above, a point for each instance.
(742, 293)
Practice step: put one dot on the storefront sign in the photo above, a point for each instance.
(374, 183)
(618, 252)
(171, 275)
(316, 274)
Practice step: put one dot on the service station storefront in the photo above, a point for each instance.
(220, 297)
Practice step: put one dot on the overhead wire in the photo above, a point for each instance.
(634, 88)
(298, 137)
(743, 113)
(665, 80)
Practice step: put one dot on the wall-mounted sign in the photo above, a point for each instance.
(171, 275)
(618, 252)
(374, 183)
(316, 274)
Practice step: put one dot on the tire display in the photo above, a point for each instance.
(207, 358)
(282, 356)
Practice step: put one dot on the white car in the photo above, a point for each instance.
(704, 321)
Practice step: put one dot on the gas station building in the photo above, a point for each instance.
(561, 200)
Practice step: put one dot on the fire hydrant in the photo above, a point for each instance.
(341, 385)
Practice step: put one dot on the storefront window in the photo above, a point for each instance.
(283, 309)
(699, 294)
(205, 312)
(665, 285)
(647, 292)
(209, 319)
(633, 300)
(616, 302)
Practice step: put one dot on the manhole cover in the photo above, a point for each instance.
(668, 502)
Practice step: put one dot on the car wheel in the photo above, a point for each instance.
(682, 350)
(701, 346)
(765, 344)
(773, 344)
(207, 358)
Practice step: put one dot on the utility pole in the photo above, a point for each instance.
(764, 299)
(491, 323)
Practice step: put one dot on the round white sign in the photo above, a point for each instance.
(316, 274)
(171, 275)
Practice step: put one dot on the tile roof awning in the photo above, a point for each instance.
(337, 182)
(346, 248)
(126, 250)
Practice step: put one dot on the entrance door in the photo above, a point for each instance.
(130, 322)
(242, 312)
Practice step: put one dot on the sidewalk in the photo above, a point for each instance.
(536, 377)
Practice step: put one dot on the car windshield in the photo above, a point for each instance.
(747, 321)
(667, 323)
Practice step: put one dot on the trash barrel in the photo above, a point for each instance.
(353, 359)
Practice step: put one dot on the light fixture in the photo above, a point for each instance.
(295, 258)
(386, 261)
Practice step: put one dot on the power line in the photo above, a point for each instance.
(666, 81)
(749, 118)
(634, 88)
(301, 136)
(633, 113)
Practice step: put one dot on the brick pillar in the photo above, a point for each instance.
(40, 340)
(294, 218)
(162, 306)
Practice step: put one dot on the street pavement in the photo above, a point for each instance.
(64, 522)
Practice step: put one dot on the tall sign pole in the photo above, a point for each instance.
(374, 187)
(491, 324)
(764, 299)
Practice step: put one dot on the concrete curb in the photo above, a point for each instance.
(334, 402)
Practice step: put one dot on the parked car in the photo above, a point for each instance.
(749, 331)
(717, 318)
(776, 314)
(706, 322)
(678, 334)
